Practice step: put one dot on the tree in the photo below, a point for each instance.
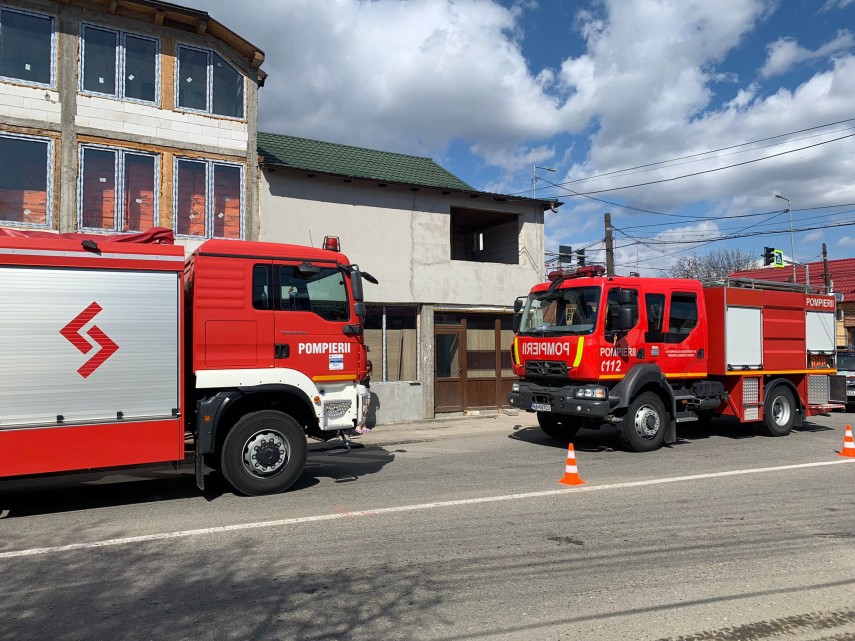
(716, 265)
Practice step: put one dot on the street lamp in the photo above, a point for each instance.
(792, 242)
(534, 178)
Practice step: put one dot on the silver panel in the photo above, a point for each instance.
(818, 390)
(40, 375)
(744, 337)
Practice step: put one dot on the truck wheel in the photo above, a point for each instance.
(643, 427)
(779, 412)
(264, 453)
(558, 428)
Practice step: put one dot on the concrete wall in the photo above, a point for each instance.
(402, 237)
(396, 402)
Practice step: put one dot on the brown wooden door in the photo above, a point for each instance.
(450, 376)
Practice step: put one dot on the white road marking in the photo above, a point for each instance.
(163, 536)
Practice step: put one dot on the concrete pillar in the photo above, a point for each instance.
(426, 371)
(68, 37)
(252, 225)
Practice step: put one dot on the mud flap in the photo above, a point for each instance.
(671, 431)
(200, 473)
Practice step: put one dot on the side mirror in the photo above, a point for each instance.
(356, 285)
(518, 305)
(359, 308)
(517, 321)
(625, 319)
(625, 297)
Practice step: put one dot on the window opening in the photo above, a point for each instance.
(117, 189)
(208, 199)
(484, 236)
(26, 180)
(208, 82)
(323, 294)
(119, 64)
(27, 47)
(391, 336)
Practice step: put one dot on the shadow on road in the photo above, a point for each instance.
(605, 438)
(57, 493)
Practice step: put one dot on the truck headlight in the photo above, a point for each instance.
(592, 391)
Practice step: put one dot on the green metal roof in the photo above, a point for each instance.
(354, 162)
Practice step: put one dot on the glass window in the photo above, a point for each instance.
(683, 316)
(119, 64)
(192, 79)
(98, 171)
(227, 89)
(208, 199)
(190, 201)
(447, 356)
(140, 202)
(655, 311)
(207, 82)
(261, 287)
(566, 311)
(119, 189)
(612, 307)
(227, 201)
(324, 293)
(26, 47)
(399, 357)
(25, 166)
(100, 51)
(140, 72)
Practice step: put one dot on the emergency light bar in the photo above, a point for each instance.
(587, 271)
(332, 243)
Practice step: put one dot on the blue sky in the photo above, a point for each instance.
(608, 93)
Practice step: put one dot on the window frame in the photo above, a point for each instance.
(53, 48)
(381, 365)
(121, 60)
(49, 167)
(209, 83)
(119, 178)
(209, 196)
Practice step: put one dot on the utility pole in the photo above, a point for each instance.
(610, 248)
(825, 273)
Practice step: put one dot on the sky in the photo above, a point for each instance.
(682, 118)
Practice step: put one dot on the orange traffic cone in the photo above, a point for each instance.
(848, 443)
(571, 474)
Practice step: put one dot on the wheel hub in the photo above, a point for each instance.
(265, 453)
(647, 422)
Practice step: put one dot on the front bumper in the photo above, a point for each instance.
(561, 400)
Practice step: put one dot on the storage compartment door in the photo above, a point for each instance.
(88, 345)
(744, 338)
(820, 331)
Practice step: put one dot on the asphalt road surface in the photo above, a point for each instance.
(452, 530)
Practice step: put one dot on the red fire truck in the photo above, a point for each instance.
(645, 354)
(119, 353)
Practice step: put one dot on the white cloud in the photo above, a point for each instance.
(785, 53)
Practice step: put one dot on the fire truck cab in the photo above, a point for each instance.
(648, 353)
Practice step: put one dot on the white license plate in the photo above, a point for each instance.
(850, 392)
(541, 407)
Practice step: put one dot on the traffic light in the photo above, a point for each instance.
(580, 257)
(768, 255)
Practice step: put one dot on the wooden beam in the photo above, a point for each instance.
(159, 16)
(114, 4)
(201, 26)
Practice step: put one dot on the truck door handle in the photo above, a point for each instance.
(281, 350)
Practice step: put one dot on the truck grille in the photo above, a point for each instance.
(546, 369)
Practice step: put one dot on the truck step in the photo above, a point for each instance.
(686, 417)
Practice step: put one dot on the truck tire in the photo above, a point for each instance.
(557, 428)
(779, 412)
(643, 427)
(264, 453)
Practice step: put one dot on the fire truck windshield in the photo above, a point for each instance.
(564, 311)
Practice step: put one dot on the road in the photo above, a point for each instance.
(455, 529)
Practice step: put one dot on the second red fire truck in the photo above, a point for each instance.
(646, 354)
